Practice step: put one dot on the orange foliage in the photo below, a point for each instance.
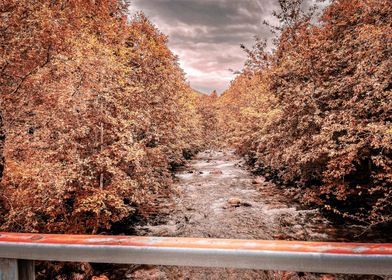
(95, 112)
(207, 109)
(317, 111)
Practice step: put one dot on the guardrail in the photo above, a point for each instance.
(19, 250)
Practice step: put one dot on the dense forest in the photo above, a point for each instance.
(315, 113)
(96, 114)
(95, 111)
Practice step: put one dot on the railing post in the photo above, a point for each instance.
(26, 270)
(12, 269)
(8, 269)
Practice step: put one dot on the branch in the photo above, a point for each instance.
(24, 78)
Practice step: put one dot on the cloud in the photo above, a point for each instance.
(207, 34)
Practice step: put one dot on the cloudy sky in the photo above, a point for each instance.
(206, 34)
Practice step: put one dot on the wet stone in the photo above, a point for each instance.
(101, 277)
(234, 201)
(258, 180)
(237, 202)
(216, 172)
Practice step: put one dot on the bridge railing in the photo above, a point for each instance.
(19, 250)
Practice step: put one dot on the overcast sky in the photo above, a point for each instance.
(206, 34)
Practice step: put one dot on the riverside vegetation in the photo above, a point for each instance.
(96, 113)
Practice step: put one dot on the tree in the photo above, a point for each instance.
(324, 124)
(98, 120)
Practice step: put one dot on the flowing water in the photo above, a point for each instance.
(217, 197)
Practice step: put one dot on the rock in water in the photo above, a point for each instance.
(258, 180)
(234, 201)
(102, 277)
(216, 172)
(237, 202)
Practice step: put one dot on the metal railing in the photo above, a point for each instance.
(18, 250)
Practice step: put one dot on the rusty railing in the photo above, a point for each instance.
(19, 250)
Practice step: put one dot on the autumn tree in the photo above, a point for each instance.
(324, 124)
(93, 110)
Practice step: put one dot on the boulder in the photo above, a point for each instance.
(258, 180)
(216, 171)
(237, 202)
(234, 201)
(101, 277)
